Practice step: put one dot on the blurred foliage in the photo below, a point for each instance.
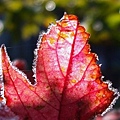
(26, 18)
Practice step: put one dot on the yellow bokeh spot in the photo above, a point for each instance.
(29, 30)
(14, 5)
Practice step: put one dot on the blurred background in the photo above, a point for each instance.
(21, 22)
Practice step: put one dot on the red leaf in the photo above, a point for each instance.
(69, 84)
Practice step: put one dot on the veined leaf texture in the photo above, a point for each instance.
(68, 84)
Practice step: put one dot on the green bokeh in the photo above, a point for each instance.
(24, 18)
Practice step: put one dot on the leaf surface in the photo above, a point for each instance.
(68, 80)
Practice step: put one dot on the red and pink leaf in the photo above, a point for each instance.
(68, 80)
